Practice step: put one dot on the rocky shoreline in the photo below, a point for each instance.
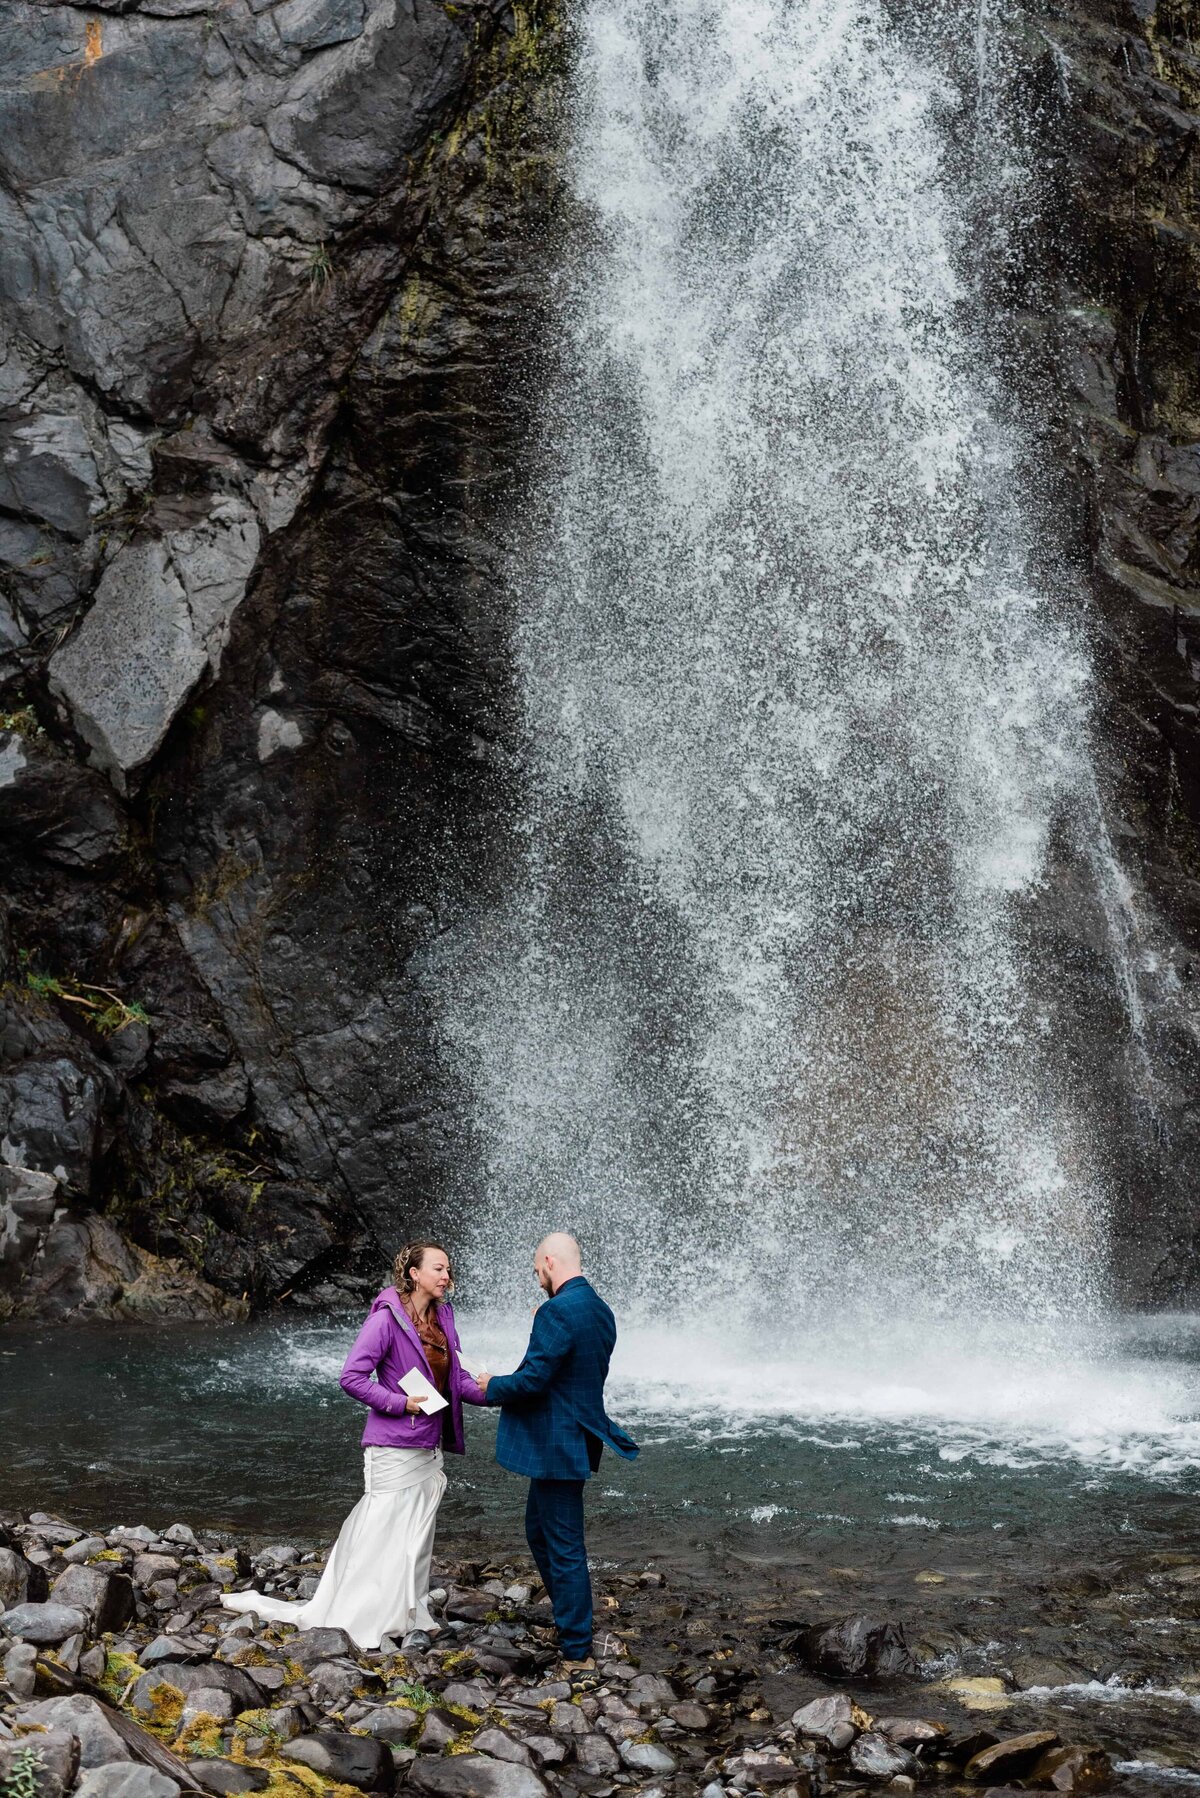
(121, 1676)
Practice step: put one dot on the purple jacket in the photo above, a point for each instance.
(388, 1347)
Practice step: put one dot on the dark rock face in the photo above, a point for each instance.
(1120, 87)
(271, 278)
(266, 276)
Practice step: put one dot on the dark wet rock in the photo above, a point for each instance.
(877, 1757)
(43, 1623)
(191, 1649)
(106, 1599)
(1072, 1769)
(439, 1728)
(827, 1720)
(1010, 1757)
(648, 1757)
(651, 1693)
(690, 1716)
(57, 1762)
(126, 1779)
(349, 1760)
(334, 1683)
(502, 1747)
(389, 1723)
(19, 1666)
(224, 1779)
(14, 1578)
(596, 1755)
(1030, 1670)
(911, 1732)
(311, 1646)
(475, 1776)
(85, 1719)
(857, 1648)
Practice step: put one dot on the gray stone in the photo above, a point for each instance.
(875, 1757)
(350, 1760)
(20, 1669)
(390, 1723)
(651, 1693)
(690, 1716)
(176, 1648)
(438, 1729)
(501, 1747)
(596, 1756)
(206, 1701)
(126, 1779)
(648, 1757)
(106, 1599)
(567, 1720)
(14, 1570)
(83, 1550)
(910, 1732)
(474, 1776)
(84, 1718)
(160, 620)
(148, 1568)
(313, 1645)
(333, 1683)
(226, 1778)
(475, 1694)
(826, 1720)
(43, 1623)
(547, 1751)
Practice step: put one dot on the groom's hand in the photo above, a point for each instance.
(482, 1383)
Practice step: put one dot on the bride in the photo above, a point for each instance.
(376, 1582)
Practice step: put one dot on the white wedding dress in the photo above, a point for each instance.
(376, 1582)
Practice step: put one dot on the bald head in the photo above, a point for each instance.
(557, 1260)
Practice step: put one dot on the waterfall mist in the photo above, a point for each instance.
(804, 710)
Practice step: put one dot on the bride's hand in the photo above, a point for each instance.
(411, 1406)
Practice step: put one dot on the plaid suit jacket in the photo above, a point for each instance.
(553, 1425)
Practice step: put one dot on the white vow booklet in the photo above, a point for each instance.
(417, 1386)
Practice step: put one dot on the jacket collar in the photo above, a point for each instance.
(575, 1280)
(406, 1324)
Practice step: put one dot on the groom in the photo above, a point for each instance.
(553, 1428)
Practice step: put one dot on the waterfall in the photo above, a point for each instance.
(804, 713)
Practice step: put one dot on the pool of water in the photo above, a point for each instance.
(916, 1446)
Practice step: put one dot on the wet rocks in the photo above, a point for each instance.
(875, 1756)
(126, 1779)
(857, 1648)
(474, 1776)
(83, 1718)
(106, 1599)
(827, 1720)
(1073, 1769)
(1009, 1758)
(227, 1779)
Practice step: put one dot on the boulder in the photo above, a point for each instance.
(857, 1648)
(651, 1693)
(438, 1729)
(1033, 1670)
(56, 1762)
(875, 1757)
(85, 1719)
(44, 1624)
(648, 1757)
(105, 1598)
(474, 1776)
(20, 1669)
(348, 1760)
(126, 1779)
(690, 1716)
(1010, 1757)
(187, 1678)
(334, 1683)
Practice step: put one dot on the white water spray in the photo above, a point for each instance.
(801, 725)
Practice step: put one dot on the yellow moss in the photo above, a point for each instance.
(107, 1554)
(288, 1779)
(251, 1656)
(200, 1739)
(460, 1710)
(119, 1669)
(166, 1708)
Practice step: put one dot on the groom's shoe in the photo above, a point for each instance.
(580, 1674)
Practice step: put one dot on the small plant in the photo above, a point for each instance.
(106, 1018)
(320, 268)
(23, 721)
(412, 1693)
(22, 1781)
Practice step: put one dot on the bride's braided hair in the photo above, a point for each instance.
(410, 1257)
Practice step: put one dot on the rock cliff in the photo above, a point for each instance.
(267, 272)
(271, 273)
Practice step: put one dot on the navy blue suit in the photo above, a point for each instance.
(554, 1428)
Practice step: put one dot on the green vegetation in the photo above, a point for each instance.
(22, 1781)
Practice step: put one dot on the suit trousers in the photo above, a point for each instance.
(554, 1531)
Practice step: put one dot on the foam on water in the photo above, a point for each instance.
(947, 1412)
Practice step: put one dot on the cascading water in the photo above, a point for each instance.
(801, 725)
